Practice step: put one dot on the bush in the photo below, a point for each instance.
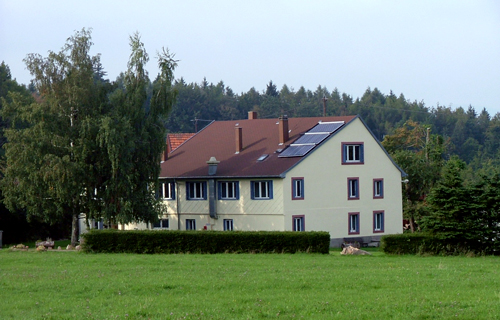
(422, 243)
(161, 241)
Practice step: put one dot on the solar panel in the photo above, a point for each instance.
(296, 151)
(327, 127)
(311, 138)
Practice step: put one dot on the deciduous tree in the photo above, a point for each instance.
(87, 146)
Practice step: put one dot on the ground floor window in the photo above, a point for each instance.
(190, 224)
(161, 224)
(378, 221)
(228, 224)
(298, 223)
(98, 225)
(354, 223)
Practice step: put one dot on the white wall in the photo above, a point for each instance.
(325, 205)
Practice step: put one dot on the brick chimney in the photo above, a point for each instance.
(239, 139)
(252, 115)
(283, 129)
(166, 151)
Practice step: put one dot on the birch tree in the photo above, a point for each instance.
(88, 146)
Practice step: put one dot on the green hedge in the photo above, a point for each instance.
(162, 241)
(421, 243)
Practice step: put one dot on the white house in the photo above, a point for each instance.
(298, 174)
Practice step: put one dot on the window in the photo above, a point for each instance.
(196, 190)
(167, 190)
(353, 153)
(229, 190)
(354, 223)
(297, 188)
(378, 221)
(190, 224)
(262, 190)
(161, 224)
(298, 223)
(353, 188)
(378, 188)
(228, 224)
(98, 225)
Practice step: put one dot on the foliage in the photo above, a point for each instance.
(421, 155)
(422, 244)
(53, 285)
(46, 149)
(131, 137)
(86, 145)
(113, 241)
(466, 213)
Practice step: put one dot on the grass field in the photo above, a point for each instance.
(72, 285)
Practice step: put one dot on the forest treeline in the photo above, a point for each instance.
(473, 135)
(425, 141)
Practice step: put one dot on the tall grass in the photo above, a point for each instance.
(70, 285)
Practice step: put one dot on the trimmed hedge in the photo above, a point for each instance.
(421, 243)
(162, 241)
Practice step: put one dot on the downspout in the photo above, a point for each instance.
(212, 170)
(178, 211)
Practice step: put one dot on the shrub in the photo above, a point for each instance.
(422, 243)
(148, 241)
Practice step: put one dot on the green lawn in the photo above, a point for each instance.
(71, 285)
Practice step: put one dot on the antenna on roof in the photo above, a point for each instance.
(196, 123)
(324, 105)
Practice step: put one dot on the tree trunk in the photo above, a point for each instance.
(74, 230)
(412, 223)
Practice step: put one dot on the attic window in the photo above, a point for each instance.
(263, 157)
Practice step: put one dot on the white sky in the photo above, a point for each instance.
(445, 52)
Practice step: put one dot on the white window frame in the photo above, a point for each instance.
(190, 224)
(167, 190)
(164, 224)
(353, 188)
(378, 221)
(198, 188)
(298, 188)
(228, 224)
(226, 187)
(353, 153)
(354, 223)
(378, 188)
(299, 223)
(262, 189)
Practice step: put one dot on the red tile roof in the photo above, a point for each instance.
(174, 140)
(260, 136)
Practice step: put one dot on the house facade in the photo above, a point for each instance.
(299, 174)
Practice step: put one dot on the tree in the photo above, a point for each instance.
(133, 136)
(7, 84)
(466, 215)
(85, 148)
(421, 156)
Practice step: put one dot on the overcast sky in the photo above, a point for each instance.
(445, 52)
